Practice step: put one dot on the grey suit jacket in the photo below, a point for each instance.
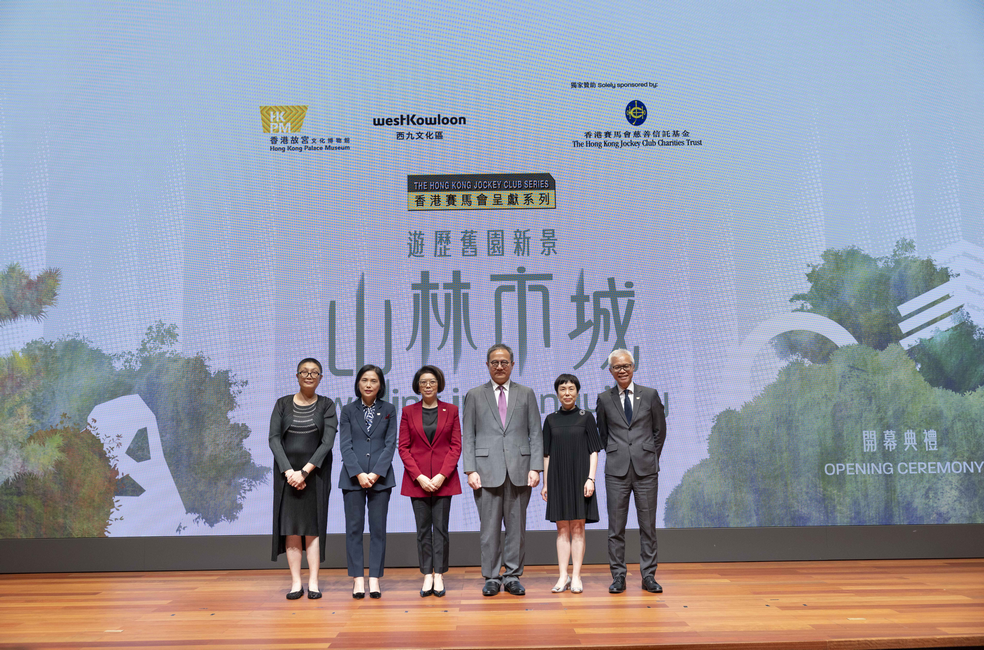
(639, 442)
(364, 450)
(496, 451)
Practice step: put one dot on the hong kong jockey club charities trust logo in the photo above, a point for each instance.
(635, 112)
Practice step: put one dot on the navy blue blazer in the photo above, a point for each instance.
(370, 451)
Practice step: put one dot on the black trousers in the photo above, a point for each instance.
(433, 543)
(355, 522)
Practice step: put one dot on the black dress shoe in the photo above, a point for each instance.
(440, 594)
(617, 586)
(294, 595)
(375, 594)
(515, 588)
(358, 595)
(491, 588)
(649, 584)
(314, 595)
(424, 593)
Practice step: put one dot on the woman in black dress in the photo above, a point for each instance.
(570, 459)
(302, 432)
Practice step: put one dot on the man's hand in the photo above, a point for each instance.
(534, 478)
(474, 481)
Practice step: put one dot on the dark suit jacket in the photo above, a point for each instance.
(420, 456)
(369, 451)
(326, 419)
(639, 442)
(496, 451)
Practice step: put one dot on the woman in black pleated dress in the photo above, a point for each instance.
(302, 432)
(570, 460)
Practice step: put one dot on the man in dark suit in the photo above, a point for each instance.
(632, 425)
(502, 454)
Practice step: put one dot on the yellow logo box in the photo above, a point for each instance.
(282, 119)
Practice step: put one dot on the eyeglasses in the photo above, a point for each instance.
(622, 366)
(500, 364)
(427, 382)
(309, 373)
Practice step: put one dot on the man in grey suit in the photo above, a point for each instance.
(632, 425)
(502, 454)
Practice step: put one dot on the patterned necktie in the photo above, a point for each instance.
(502, 405)
(369, 413)
(628, 407)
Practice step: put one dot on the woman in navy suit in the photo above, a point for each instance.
(367, 440)
(430, 445)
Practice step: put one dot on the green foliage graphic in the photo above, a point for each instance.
(861, 293)
(774, 462)
(75, 499)
(22, 296)
(766, 464)
(52, 386)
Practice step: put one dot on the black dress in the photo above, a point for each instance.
(569, 439)
(299, 508)
(290, 446)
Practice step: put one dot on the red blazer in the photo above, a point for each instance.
(430, 459)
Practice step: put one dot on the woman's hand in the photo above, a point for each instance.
(543, 492)
(588, 488)
(425, 483)
(294, 479)
(373, 478)
(437, 482)
(364, 480)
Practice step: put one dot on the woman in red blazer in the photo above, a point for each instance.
(430, 445)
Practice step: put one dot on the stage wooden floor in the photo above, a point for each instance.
(871, 604)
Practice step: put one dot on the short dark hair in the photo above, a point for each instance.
(379, 373)
(499, 346)
(565, 379)
(434, 370)
(310, 360)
